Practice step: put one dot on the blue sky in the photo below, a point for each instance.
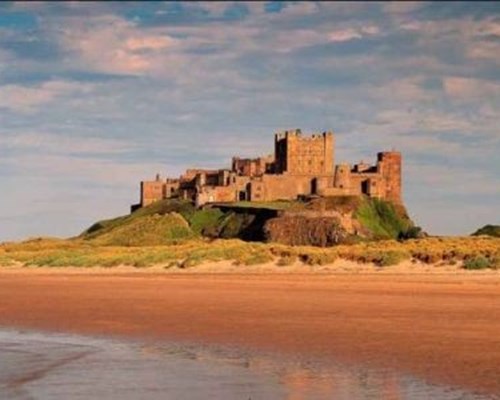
(95, 97)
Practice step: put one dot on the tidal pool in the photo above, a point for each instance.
(37, 365)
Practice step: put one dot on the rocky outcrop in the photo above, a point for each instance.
(305, 230)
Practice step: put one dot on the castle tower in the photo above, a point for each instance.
(298, 155)
(389, 165)
(342, 178)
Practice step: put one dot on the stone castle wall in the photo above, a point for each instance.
(300, 166)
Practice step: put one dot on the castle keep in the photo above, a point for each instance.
(301, 166)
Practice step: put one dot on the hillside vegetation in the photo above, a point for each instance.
(174, 234)
(319, 222)
(469, 253)
(489, 230)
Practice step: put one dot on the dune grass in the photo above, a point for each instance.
(195, 251)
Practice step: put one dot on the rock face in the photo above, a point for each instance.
(330, 221)
(305, 230)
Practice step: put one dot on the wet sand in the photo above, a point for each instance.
(442, 328)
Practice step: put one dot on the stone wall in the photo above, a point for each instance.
(216, 194)
(253, 166)
(151, 191)
(301, 165)
(272, 187)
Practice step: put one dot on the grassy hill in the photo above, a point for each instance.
(489, 230)
(161, 223)
(173, 221)
(170, 234)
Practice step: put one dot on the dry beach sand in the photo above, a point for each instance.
(444, 327)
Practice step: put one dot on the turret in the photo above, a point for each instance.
(342, 178)
(389, 165)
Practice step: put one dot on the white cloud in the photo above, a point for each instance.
(50, 143)
(470, 89)
(484, 50)
(426, 120)
(26, 99)
(408, 90)
(95, 170)
(488, 27)
(113, 44)
(344, 35)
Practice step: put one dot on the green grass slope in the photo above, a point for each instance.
(164, 222)
(150, 230)
(182, 207)
(382, 219)
(489, 230)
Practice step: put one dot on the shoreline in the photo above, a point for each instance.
(442, 327)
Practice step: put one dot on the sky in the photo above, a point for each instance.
(95, 97)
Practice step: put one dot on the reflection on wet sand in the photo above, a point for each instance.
(56, 366)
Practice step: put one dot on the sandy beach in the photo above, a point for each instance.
(440, 327)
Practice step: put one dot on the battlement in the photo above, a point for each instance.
(288, 133)
(297, 133)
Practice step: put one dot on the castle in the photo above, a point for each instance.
(301, 166)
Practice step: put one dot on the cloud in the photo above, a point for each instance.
(114, 45)
(215, 8)
(489, 27)
(484, 50)
(26, 99)
(402, 7)
(85, 170)
(149, 43)
(439, 178)
(51, 143)
(113, 89)
(470, 89)
(299, 9)
(344, 35)
(427, 120)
